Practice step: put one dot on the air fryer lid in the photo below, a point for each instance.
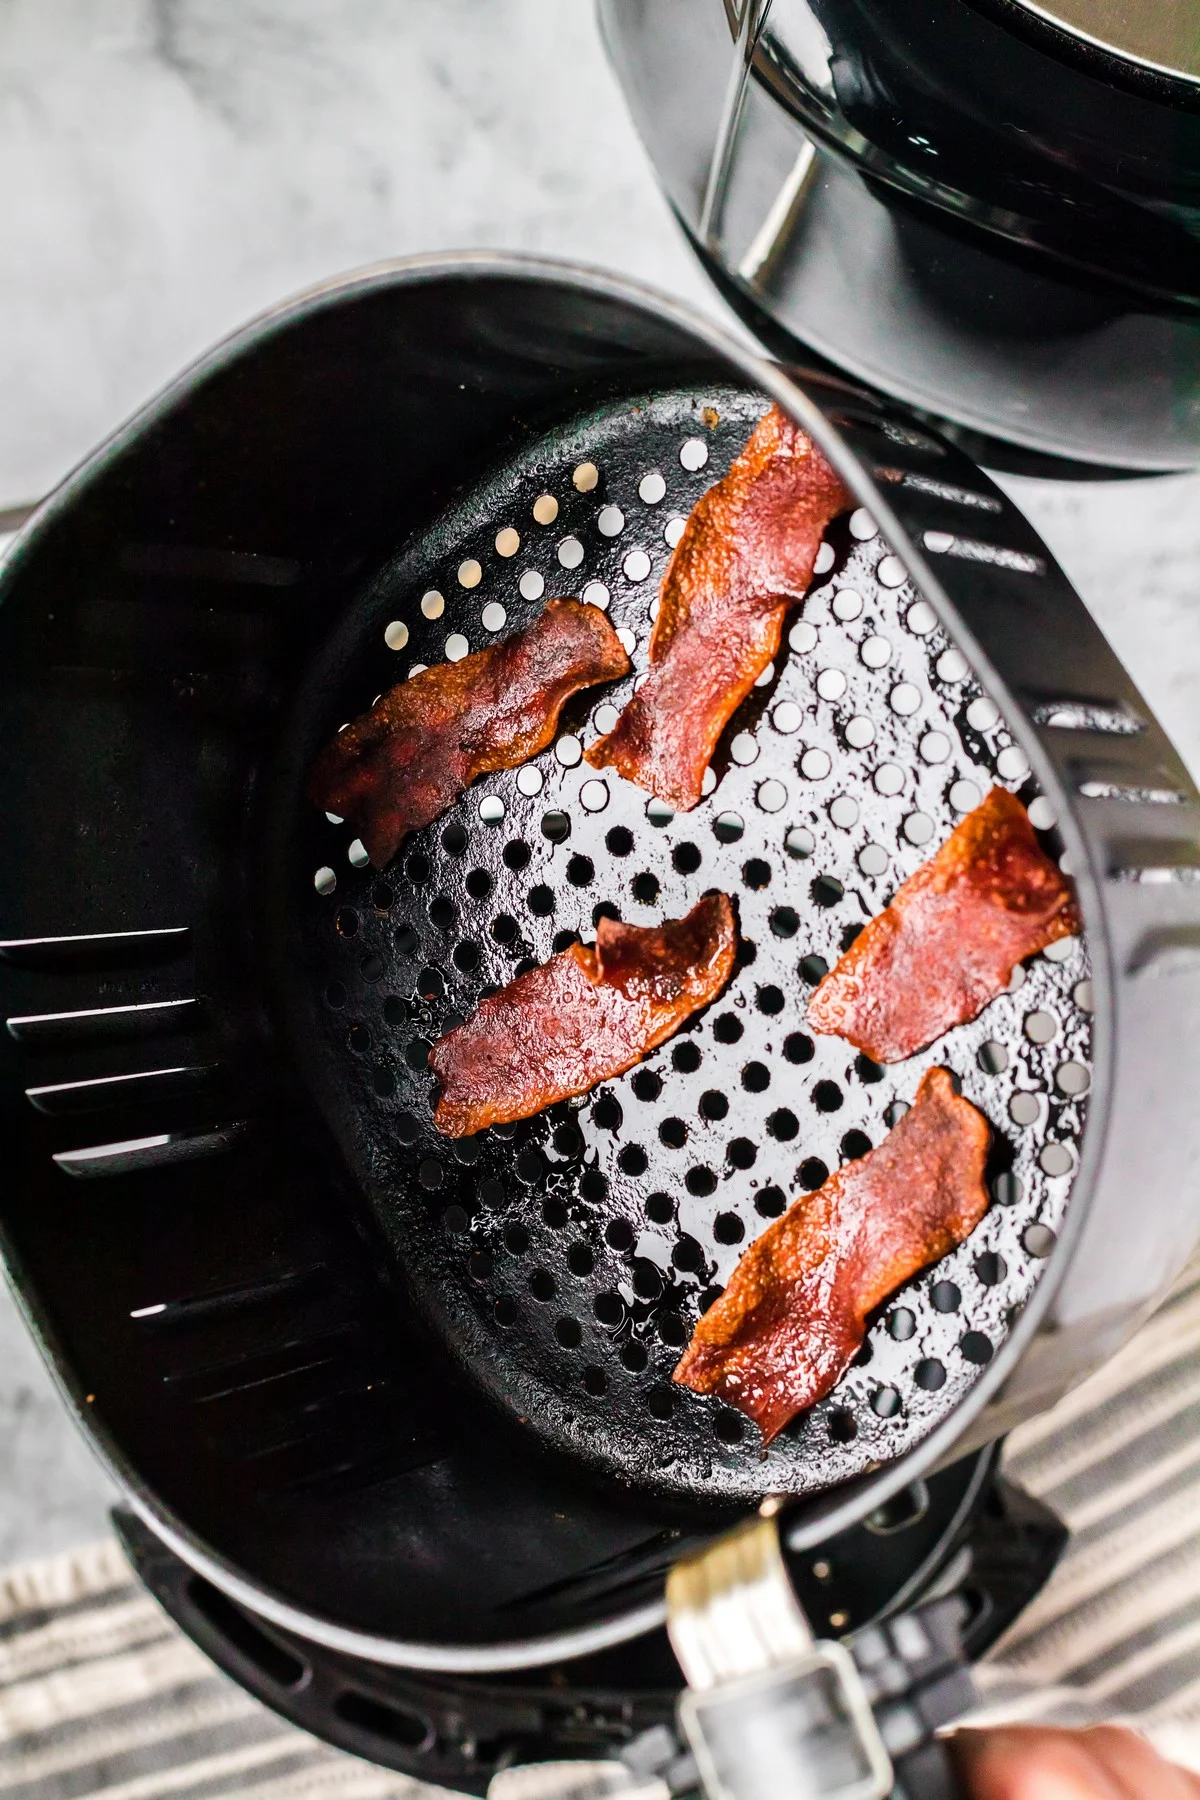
(236, 1327)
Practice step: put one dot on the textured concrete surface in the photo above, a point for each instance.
(172, 166)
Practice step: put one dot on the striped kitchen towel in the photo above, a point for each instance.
(1115, 1634)
(101, 1695)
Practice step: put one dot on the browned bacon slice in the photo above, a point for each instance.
(583, 1017)
(408, 759)
(794, 1314)
(745, 557)
(950, 939)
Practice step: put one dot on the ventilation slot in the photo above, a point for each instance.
(1154, 863)
(940, 490)
(95, 949)
(392, 1724)
(998, 556)
(131, 1155)
(141, 1019)
(904, 1509)
(253, 1645)
(193, 1308)
(114, 1090)
(904, 435)
(1141, 796)
(299, 1356)
(1111, 718)
(1156, 874)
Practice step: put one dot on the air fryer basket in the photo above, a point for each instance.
(567, 1259)
(414, 1398)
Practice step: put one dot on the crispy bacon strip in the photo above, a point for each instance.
(746, 557)
(794, 1314)
(408, 759)
(581, 1018)
(950, 939)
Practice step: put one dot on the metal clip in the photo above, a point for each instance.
(768, 1709)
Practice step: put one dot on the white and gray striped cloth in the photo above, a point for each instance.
(1115, 1634)
(101, 1695)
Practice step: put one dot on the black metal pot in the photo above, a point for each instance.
(977, 206)
(241, 1266)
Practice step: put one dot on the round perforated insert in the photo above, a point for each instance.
(565, 1260)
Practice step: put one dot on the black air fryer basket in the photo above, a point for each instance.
(411, 1398)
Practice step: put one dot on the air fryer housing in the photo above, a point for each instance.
(216, 1305)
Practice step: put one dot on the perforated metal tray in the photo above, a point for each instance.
(565, 1260)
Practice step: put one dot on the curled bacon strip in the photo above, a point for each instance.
(794, 1314)
(583, 1017)
(425, 741)
(950, 939)
(744, 559)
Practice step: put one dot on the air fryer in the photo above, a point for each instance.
(403, 1406)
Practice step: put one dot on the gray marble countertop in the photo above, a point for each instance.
(173, 166)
